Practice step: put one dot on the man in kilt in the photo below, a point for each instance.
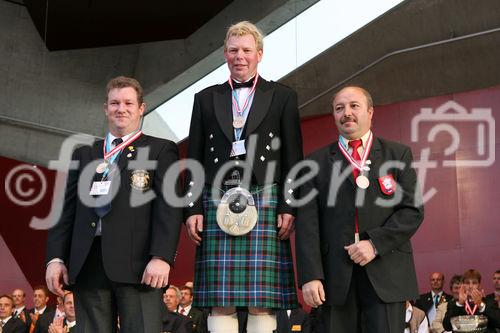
(246, 134)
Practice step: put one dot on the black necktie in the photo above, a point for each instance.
(248, 84)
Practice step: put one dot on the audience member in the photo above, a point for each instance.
(437, 323)
(186, 309)
(495, 296)
(20, 311)
(471, 301)
(416, 321)
(429, 302)
(295, 320)
(41, 315)
(8, 323)
(172, 298)
(65, 324)
(59, 308)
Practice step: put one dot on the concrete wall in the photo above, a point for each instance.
(48, 95)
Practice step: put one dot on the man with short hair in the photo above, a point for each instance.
(471, 302)
(354, 255)
(20, 310)
(172, 298)
(117, 254)
(430, 301)
(246, 134)
(9, 323)
(68, 323)
(41, 316)
(186, 308)
(495, 295)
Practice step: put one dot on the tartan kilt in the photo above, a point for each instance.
(253, 270)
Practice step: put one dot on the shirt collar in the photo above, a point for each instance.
(187, 308)
(409, 313)
(124, 138)
(364, 140)
(70, 323)
(434, 294)
(6, 320)
(40, 311)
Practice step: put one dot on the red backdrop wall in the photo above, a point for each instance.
(461, 228)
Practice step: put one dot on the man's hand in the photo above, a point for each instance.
(361, 253)
(194, 225)
(57, 326)
(56, 277)
(313, 292)
(156, 273)
(285, 225)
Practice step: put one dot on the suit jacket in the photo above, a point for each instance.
(324, 229)
(299, 321)
(26, 316)
(176, 323)
(273, 114)
(425, 301)
(44, 320)
(130, 235)
(14, 325)
(197, 319)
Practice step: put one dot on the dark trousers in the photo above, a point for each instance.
(99, 301)
(364, 311)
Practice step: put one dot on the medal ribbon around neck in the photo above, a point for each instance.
(360, 166)
(239, 111)
(120, 146)
(470, 310)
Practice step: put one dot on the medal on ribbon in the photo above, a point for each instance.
(361, 181)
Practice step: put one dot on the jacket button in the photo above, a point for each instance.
(92, 224)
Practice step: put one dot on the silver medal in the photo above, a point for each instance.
(101, 167)
(238, 122)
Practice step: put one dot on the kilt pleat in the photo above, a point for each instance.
(253, 270)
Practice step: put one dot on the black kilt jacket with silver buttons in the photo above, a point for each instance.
(274, 122)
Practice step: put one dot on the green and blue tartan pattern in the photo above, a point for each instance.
(253, 270)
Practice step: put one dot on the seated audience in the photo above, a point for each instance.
(173, 321)
(471, 301)
(65, 324)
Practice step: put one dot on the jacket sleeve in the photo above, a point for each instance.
(167, 219)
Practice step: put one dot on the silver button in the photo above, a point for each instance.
(93, 224)
(191, 183)
(211, 148)
(271, 134)
(289, 180)
(211, 136)
(288, 201)
(216, 160)
(268, 147)
(190, 194)
(290, 191)
(237, 163)
(262, 158)
(191, 204)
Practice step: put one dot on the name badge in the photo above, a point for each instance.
(296, 328)
(238, 148)
(100, 188)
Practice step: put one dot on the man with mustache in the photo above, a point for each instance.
(354, 255)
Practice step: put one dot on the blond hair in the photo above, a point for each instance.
(245, 28)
